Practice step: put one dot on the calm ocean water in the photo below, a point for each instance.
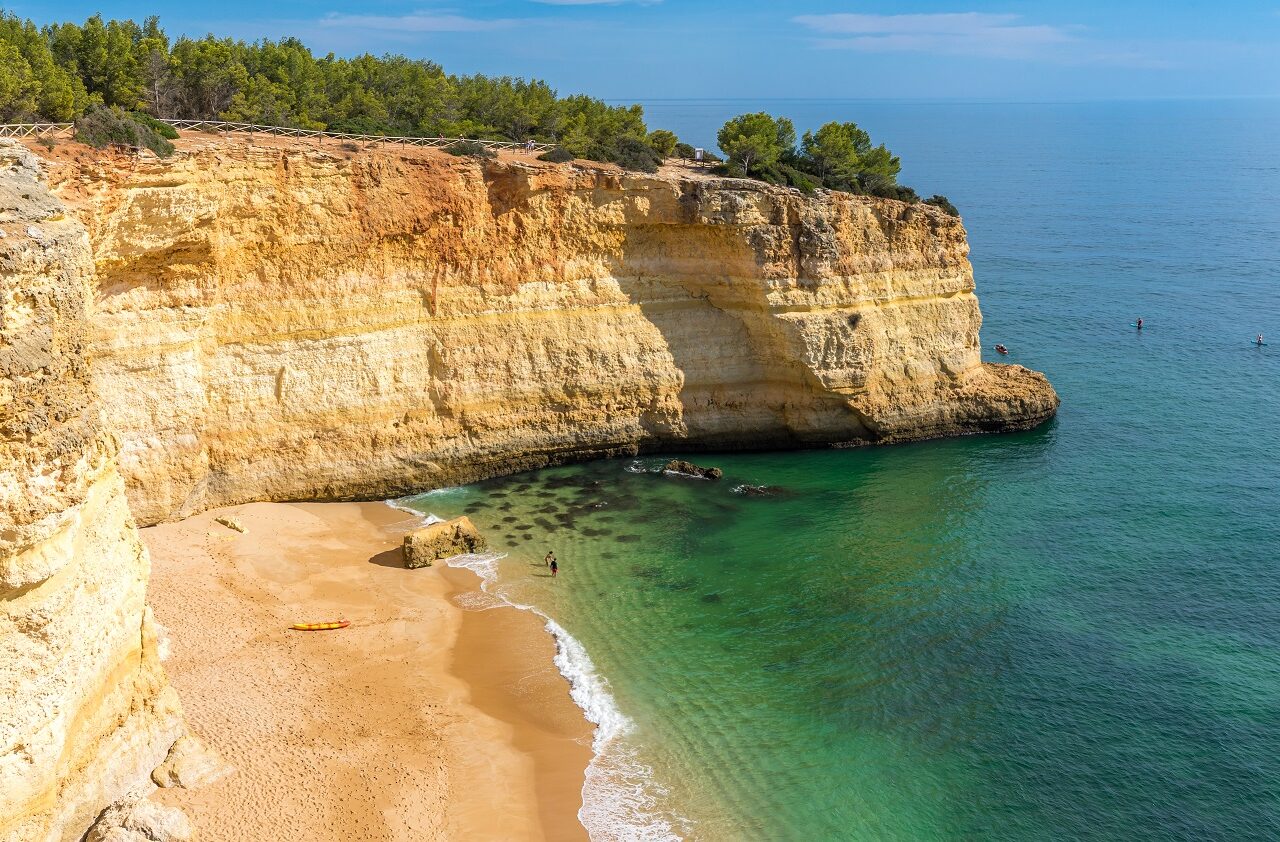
(1072, 633)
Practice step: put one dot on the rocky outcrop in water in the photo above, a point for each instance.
(688, 469)
(85, 710)
(293, 325)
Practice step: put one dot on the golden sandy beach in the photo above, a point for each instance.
(421, 721)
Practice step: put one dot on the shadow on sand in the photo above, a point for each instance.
(389, 558)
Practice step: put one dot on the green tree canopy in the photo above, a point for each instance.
(663, 142)
(60, 71)
(756, 140)
(840, 152)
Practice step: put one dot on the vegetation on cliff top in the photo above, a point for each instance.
(104, 125)
(59, 72)
(112, 77)
(838, 156)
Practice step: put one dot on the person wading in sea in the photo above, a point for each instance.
(555, 568)
(550, 559)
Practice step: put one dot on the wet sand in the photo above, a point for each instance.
(421, 721)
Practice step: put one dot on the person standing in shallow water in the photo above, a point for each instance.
(550, 559)
(555, 568)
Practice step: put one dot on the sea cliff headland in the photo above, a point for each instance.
(268, 323)
(290, 324)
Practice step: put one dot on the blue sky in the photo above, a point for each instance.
(646, 49)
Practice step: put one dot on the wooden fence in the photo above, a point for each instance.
(36, 129)
(225, 127)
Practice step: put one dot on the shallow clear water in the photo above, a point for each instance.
(1068, 633)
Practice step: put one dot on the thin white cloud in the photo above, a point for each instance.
(956, 33)
(982, 35)
(415, 22)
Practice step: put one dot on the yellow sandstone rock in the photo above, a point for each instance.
(289, 325)
(445, 539)
(85, 710)
(276, 324)
(230, 523)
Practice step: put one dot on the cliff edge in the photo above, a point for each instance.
(291, 324)
(85, 711)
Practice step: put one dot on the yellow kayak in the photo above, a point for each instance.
(337, 624)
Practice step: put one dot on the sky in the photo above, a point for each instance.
(1052, 50)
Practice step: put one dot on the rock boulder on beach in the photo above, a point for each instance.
(190, 764)
(140, 821)
(230, 523)
(445, 539)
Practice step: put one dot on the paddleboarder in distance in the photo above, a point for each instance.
(1260, 342)
(1138, 323)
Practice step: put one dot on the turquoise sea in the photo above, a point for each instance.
(1072, 633)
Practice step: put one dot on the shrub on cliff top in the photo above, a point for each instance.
(630, 153)
(105, 126)
(942, 202)
(873, 184)
(634, 154)
(470, 147)
(559, 155)
(161, 128)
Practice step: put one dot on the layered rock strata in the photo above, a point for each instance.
(292, 325)
(85, 711)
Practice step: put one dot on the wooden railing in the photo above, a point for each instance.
(226, 127)
(36, 129)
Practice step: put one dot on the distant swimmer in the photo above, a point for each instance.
(1001, 349)
(555, 568)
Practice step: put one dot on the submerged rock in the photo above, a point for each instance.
(679, 466)
(758, 490)
(441, 540)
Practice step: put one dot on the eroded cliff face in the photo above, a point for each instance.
(85, 712)
(289, 324)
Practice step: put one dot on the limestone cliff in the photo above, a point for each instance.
(279, 324)
(85, 712)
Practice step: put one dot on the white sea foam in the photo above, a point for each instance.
(446, 490)
(484, 565)
(683, 474)
(619, 795)
(401, 506)
(478, 601)
(619, 801)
